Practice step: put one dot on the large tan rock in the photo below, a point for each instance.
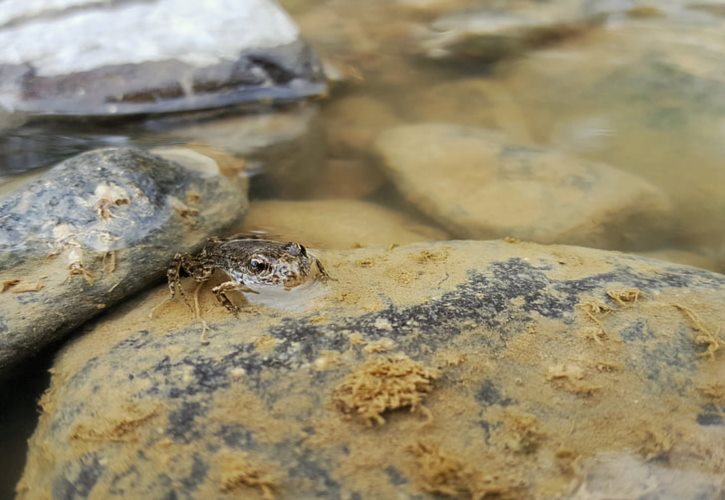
(460, 369)
(478, 184)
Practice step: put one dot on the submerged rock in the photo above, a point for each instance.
(288, 146)
(654, 110)
(337, 223)
(478, 102)
(353, 178)
(83, 57)
(96, 228)
(454, 369)
(477, 184)
(495, 33)
(351, 123)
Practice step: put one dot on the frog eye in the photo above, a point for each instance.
(258, 265)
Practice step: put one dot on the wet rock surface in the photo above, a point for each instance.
(175, 56)
(95, 229)
(454, 369)
(355, 224)
(477, 184)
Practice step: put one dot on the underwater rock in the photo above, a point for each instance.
(654, 110)
(495, 33)
(353, 122)
(478, 102)
(285, 150)
(96, 228)
(83, 57)
(352, 178)
(477, 184)
(451, 368)
(338, 224)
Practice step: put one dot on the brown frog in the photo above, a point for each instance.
(251, 263)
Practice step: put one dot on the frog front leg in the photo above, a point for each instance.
(323, 276)
(220, 292)
(199, 270)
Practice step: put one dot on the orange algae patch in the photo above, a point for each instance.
(117, 430)
(624, 296)
(705, 336)
(444, 474)
(384, 384)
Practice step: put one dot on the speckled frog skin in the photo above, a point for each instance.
(250, 263)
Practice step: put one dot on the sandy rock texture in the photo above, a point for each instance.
(478, 184)
(453, 369)
(339, 224)
(95, 229)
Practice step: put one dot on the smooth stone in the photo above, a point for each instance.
(351, 124)
(491, 34)
(337, 224)
(284, 150)
(354, 178)
(456, 368)
(478, 102)
(95, 229)
(654, 110)
(84, 57)
(477, 184)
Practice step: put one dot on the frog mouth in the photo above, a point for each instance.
(293, 280)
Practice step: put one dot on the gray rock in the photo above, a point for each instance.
(84, 57)
(477, 184)
(95, 229)
(456, 368)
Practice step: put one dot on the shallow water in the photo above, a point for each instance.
(644, 93)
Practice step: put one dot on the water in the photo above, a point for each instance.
(645, 93)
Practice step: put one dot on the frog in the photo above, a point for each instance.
(251, 263)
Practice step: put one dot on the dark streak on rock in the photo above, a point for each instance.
(79, 486)
(198, 474)
(306, 465)
(395, 476)
(181, 422)
(236, 436)
(489, 394)
(712, 414)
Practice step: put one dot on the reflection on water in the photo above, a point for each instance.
(643, 92)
